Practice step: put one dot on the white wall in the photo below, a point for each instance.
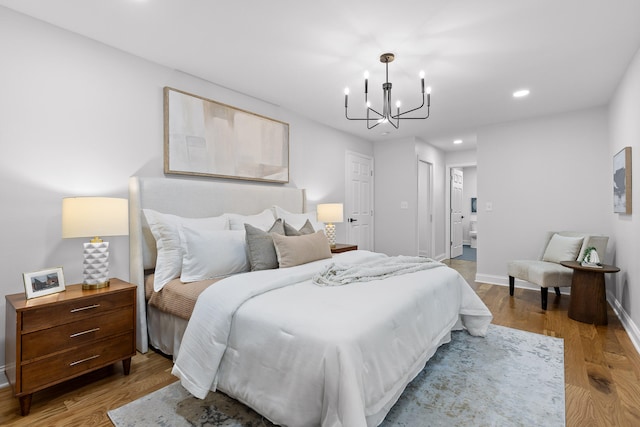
(79, 118)
(624, 125)
(550, 173)
(396, 182)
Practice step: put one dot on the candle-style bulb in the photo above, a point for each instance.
(366, 82)
(346, 97)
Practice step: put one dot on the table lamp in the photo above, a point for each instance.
(94, 217)
(330, 213)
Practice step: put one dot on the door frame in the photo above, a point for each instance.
(432, 233)
(447, 231)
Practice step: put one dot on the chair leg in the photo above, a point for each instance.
(544, 292)
(557, 290)
(511, 285)
(543, 295)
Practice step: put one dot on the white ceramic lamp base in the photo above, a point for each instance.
(330, 230)
(96, 265)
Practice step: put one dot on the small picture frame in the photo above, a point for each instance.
(44, 282)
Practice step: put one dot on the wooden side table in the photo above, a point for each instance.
(588, 301)
(341, 247)
(57, 337)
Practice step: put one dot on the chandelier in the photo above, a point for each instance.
(374, 117)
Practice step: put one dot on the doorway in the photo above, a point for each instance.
(467, 199)
(425, 209)
(456, 184)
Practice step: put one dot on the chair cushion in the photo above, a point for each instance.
(542, 273)
(562, 248)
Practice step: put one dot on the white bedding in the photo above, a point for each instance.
(306, 355)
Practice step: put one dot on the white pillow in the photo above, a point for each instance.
(263, 220)
(211, 254)
(165, 229)
(297, 220)
(562, 248)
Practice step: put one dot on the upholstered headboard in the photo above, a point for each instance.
(191, 198)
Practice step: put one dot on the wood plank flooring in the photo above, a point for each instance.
(602, 368)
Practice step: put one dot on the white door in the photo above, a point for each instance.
(456, 212)
(358, 204)
(425, 212)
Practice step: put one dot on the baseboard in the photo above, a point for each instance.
(440, 257)
(4, 382)
(632, 329)
(627, 323)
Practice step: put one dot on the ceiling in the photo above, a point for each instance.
(301, 55)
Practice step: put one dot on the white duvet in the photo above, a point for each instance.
(306, 355)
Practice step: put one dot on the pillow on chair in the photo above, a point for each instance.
(562, 248)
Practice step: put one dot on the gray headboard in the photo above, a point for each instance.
(195, 199)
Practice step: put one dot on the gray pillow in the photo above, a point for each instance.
(307, 228)
(260, 249)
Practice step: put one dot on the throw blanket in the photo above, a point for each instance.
(343, 274)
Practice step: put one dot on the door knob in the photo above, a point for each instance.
(352, 220)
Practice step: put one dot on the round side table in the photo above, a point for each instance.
(588, 301)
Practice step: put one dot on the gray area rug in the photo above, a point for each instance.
(508, 378)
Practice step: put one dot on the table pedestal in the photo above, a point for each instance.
(588, 301)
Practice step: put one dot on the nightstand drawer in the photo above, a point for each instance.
(72, 311)
(63, 366)
(71, 335)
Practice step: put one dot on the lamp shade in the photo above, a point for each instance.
(94, 216)
(330, 212)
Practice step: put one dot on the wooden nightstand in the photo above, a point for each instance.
(57, 337)
(341, 247)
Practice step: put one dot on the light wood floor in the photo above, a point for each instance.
(602, 369)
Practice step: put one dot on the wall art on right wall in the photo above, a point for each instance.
(622, 181)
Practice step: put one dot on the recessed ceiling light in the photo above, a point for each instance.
(521, 93)
(457, 141)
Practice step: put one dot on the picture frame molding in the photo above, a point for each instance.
(29, 282)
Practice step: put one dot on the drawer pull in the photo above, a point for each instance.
(77, 362)
(77, 334)
(89, 307)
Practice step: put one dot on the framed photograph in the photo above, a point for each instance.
(206, 138)
(45, 282)
(622, 181)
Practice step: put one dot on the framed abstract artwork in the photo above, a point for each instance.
(622, 181)
(207, 138)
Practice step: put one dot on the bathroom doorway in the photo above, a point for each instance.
(462, 224)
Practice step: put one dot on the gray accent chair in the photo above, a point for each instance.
(548, 274)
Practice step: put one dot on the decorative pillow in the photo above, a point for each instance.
(307, 228)
(165, 229)
(562, 248)
(262, 253)
(296, 250)
(298, 220)
(263, 220)
(211, 254)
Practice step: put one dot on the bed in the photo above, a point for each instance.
(298, 353)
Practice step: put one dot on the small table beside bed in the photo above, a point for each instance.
(326, 339)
